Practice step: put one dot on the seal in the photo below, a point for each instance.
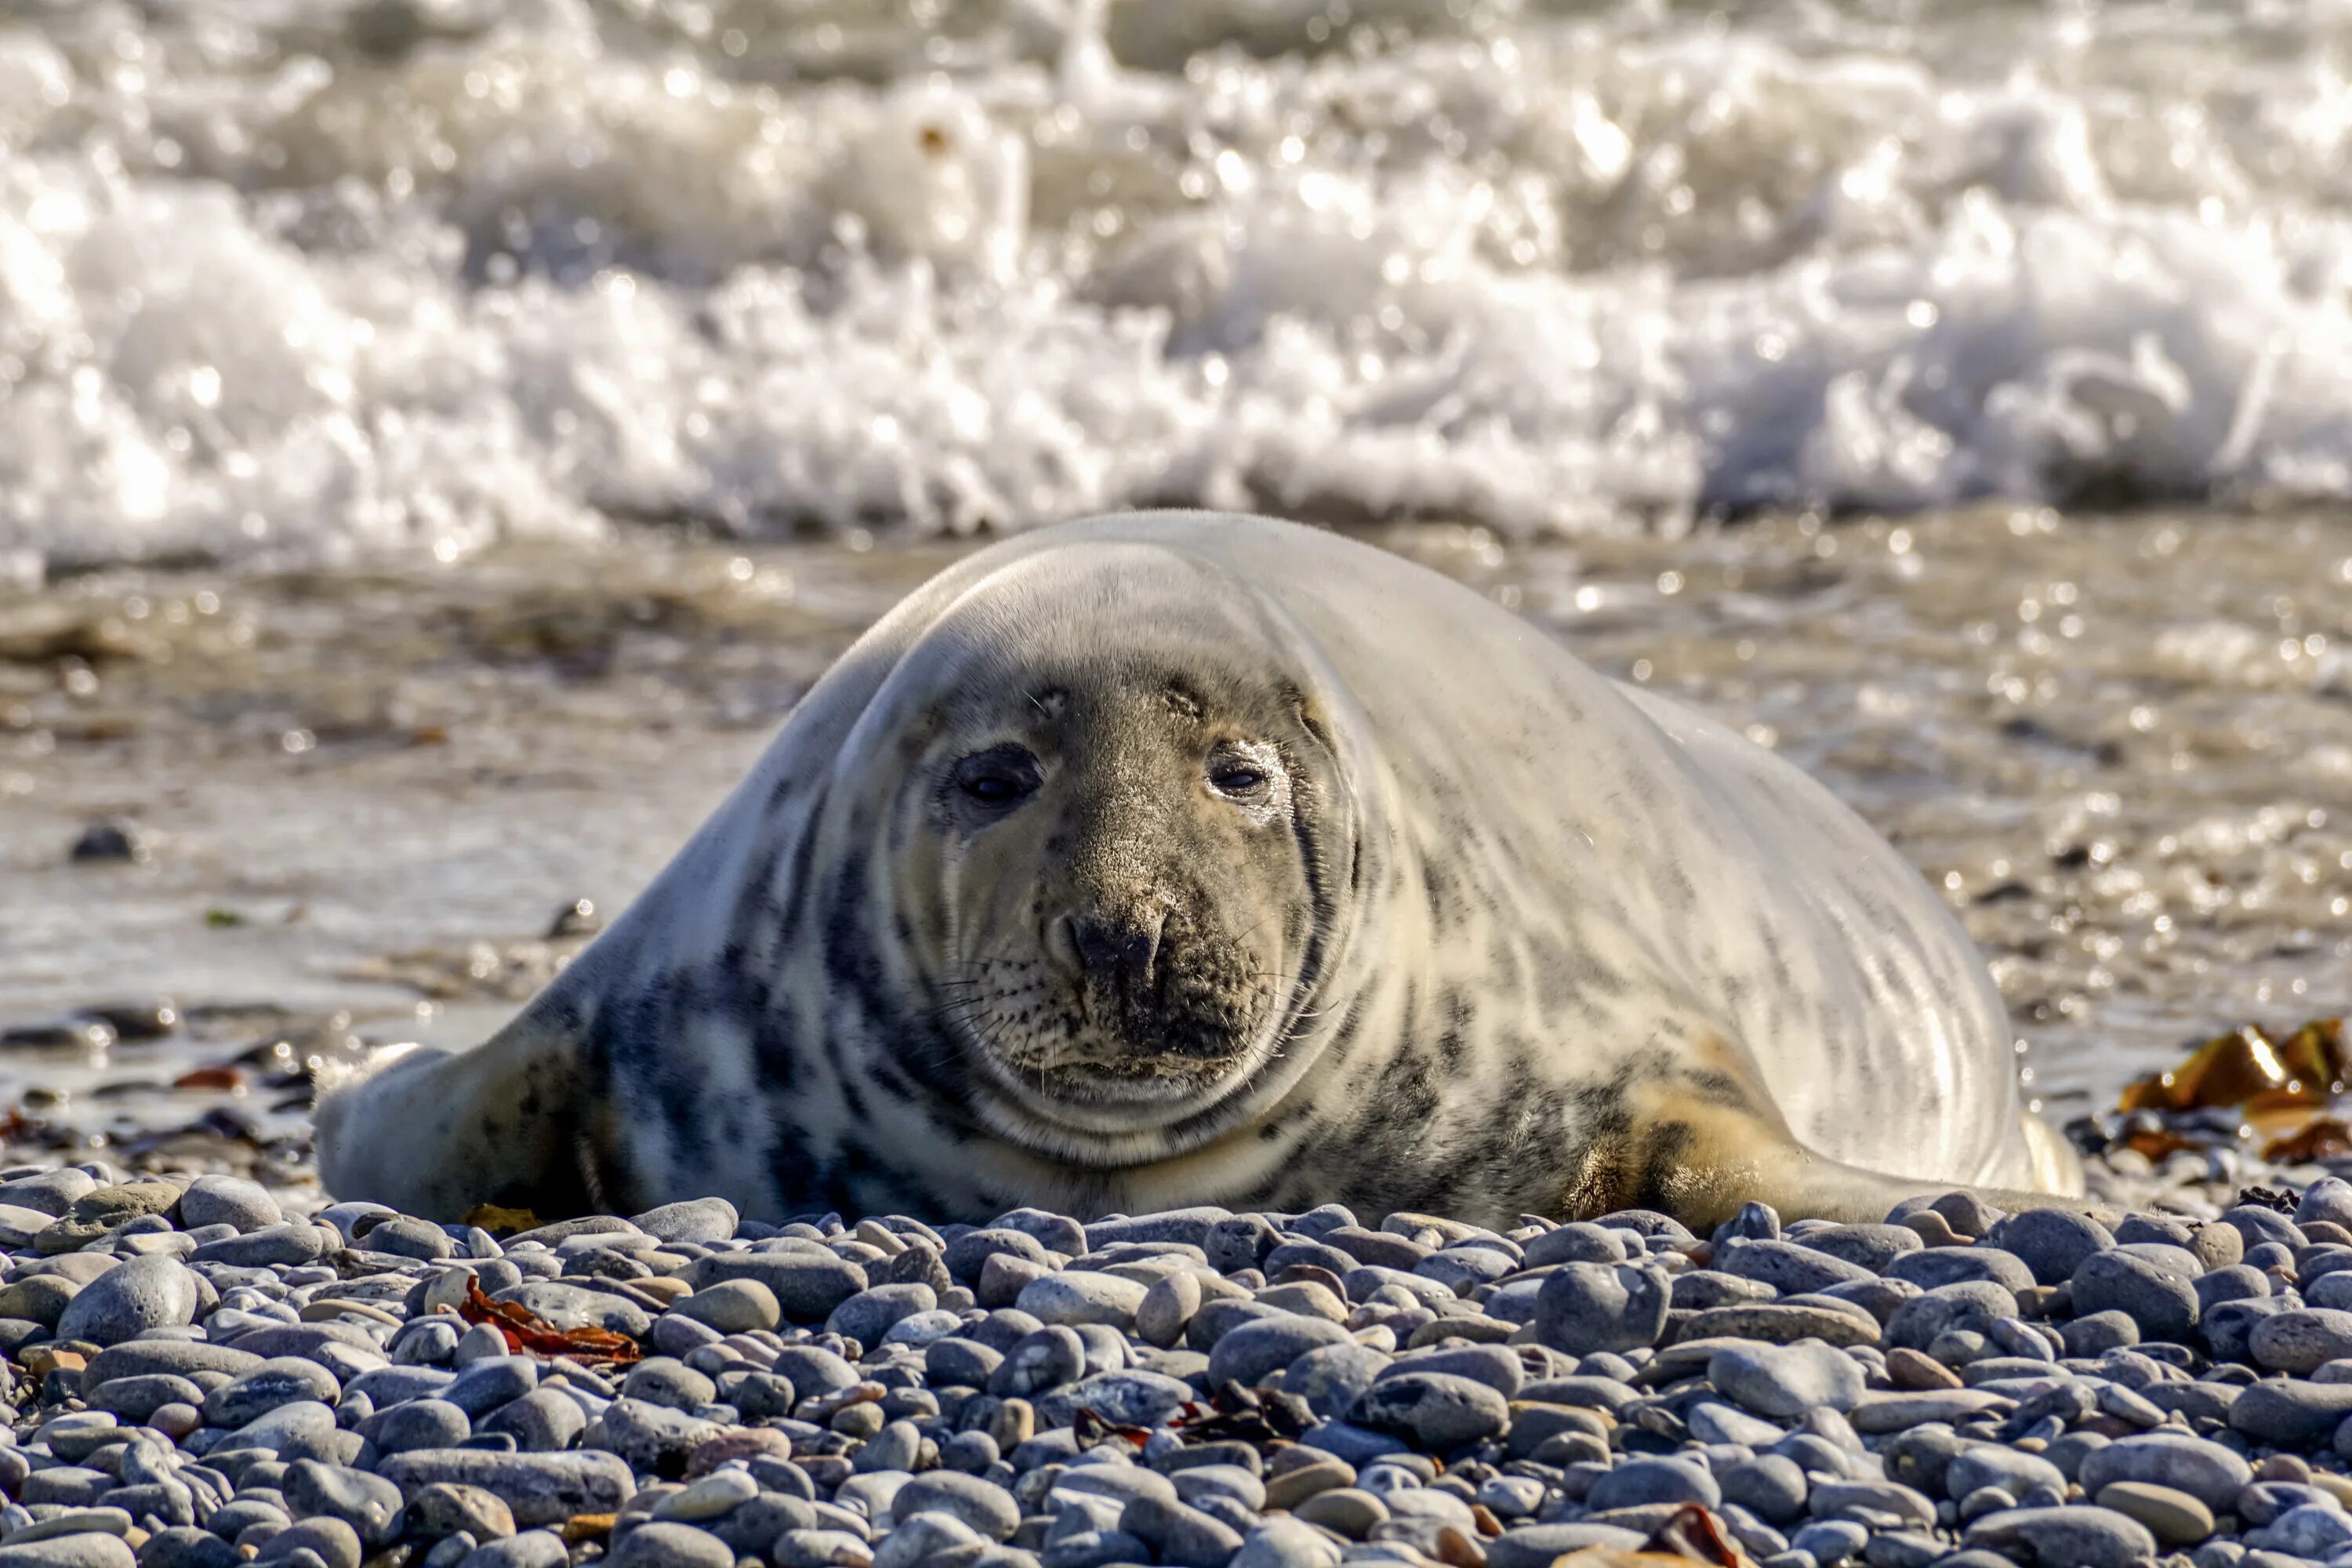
(1177, 859)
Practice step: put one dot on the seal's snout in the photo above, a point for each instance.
(1100, 946)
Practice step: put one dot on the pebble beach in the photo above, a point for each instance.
(204, 1371)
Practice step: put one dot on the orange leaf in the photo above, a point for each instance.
(527, 1331)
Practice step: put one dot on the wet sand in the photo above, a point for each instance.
(2123, 745)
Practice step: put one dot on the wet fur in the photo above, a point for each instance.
(1518, 940)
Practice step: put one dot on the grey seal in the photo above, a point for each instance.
(1183, 858)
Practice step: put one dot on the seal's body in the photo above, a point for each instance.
(1178, 858)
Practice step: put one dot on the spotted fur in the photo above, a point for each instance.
(1499, 935)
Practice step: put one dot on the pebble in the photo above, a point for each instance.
(130, 1298)
(2174, 1518)
(1583, 1308)
(2077, 1537)
(1083, 1296)
(2160, 1301)
(1784, 1381)
(2291, 1412)
(1257, 1349)
(2205, 1470)
(1440, 1412)
(539, 1489)
(231, 1201)
(1945, 1385)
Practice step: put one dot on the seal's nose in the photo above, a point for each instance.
(1101, 946)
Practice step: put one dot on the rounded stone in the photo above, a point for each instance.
(1257, 1349)
(2290, 1413)
(1083, 1296)
(2066, 1537)
(732, 1307)
(1168, 1306)
(2299, 1340)
(1770, 1485)
(368, 1503)
(2051, 1242)
(872, 1313)
(704, 1221)
(2011, 1470)
(1937, 1265)
(1583, 1308)
(2161, 1301)
(229, 1200)
(1037, 1362)
(280, 1381)
(986, 1506)
(1974, 1305)
(1347, 1511)
(127, 1300)
(1439, 1411)
(661, 1544)
(2175, 1518)
(717, 1493)
(1639, 1482)
(444, 1508)
(1783, 1381)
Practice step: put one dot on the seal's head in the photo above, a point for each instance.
(1118, 842)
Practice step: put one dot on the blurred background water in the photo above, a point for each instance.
(439, 439)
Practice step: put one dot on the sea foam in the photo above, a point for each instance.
(310, 280)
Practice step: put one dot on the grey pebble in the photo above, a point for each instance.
(541, 1489)
(1637, 1482)
(1439, 1411)
(1587, 1307)
(661, 1544)
(225, 1200)
(443, 1509)
(2160, 1298)
(127, 1300)
(807, 1286)
(1257, 1351)
(1784, 1381)
(2076, 1537)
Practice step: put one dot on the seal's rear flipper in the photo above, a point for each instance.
(1699, 1148)
(435, 1134)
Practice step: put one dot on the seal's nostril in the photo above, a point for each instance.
(1109, 947)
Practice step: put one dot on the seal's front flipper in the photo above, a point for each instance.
(435, 1134)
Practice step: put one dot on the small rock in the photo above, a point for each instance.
(2175, 1518)
(1784, 1381)
(130, 1298)
(444, 1509)
(229, 1200)
(2075, 1537)
(1441, 1412)
(1582, 1308)
(660, 1544)
(1081, 1296)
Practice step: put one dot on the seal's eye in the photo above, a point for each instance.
(997, 779)
(1238, 778)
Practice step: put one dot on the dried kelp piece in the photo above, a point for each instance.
(2321, 1138)
(527, 1331)
(500, 1222)
(2248, 1067)
(2156, 1143)
(1694, 1535)
(2277, 1199)
(1248, 1415)
(1091, 1429)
